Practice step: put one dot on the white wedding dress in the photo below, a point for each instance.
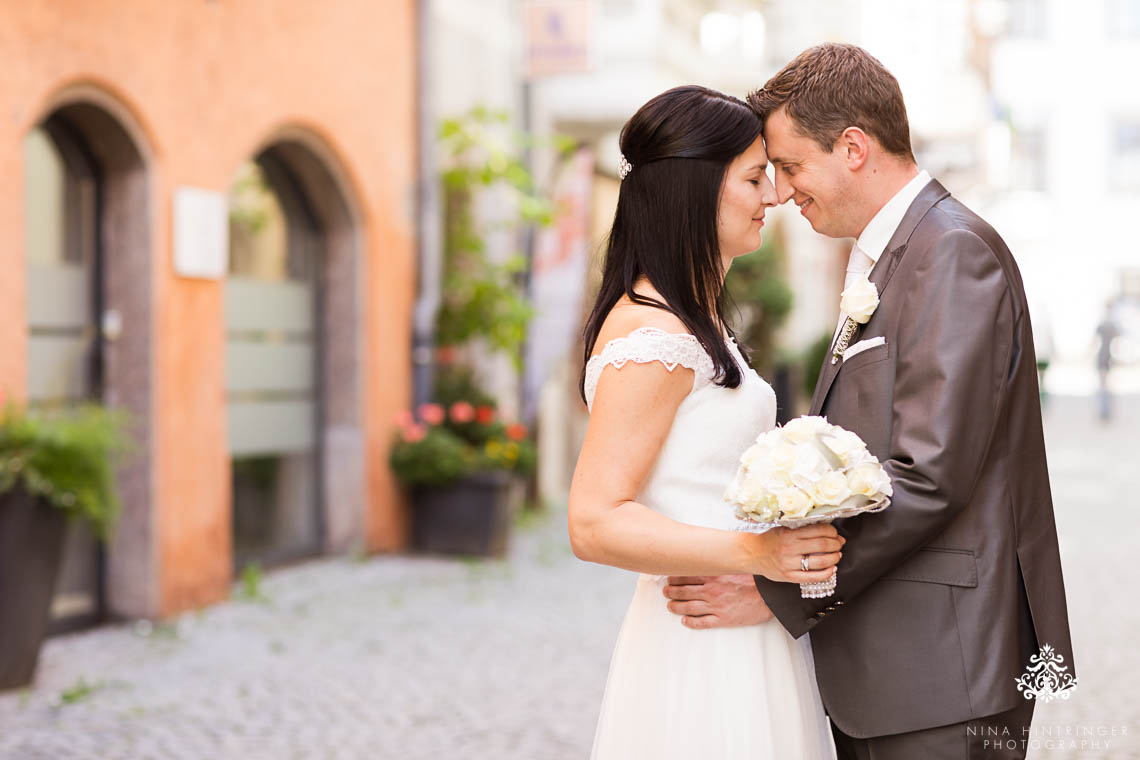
(726, 693)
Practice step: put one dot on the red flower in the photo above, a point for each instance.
(432, 414)
(461, 411)
(445, 354)
(517, 431)
(485, 415)
(414, 432)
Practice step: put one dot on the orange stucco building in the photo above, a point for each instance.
(153, 98)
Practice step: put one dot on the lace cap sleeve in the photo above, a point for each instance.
(649, 344)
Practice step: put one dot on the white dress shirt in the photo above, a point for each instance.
(875, 236)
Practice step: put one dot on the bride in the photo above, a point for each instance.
(673, 402)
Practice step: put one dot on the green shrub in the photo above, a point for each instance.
(66, 457)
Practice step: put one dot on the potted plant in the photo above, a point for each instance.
(466, 468)
(462, 464)
(54, 466)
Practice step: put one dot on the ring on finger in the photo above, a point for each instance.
(804, 563)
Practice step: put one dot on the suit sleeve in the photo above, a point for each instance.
(954, 343)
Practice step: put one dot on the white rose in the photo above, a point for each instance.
(860, 300)
(845, 444)
(869, 480)
(831, 489)
(782, 457)
(752, 493)
(809, 467)
(754, 498)
(861, 456)
(756, 454)
(770, 438)
(766, 510)
(774, 481)
(794, 503)
(803, 429)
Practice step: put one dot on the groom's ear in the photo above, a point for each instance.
(854, 147)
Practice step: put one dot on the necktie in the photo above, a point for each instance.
(858, 265)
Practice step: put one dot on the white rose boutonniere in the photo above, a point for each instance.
(860, 300)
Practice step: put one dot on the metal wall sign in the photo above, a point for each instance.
(558, 34)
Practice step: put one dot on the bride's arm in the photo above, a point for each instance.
(632, 412)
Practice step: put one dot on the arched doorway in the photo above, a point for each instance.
(292, 377)
(89, 322)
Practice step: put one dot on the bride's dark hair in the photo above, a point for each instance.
(665, 228)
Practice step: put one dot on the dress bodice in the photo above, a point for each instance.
(712, 426)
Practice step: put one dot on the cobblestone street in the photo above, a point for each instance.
(408, 657)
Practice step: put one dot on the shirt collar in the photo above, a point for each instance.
(877, 234)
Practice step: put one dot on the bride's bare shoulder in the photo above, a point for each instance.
(626, 316)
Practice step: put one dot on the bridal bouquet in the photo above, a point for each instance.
(805, 472)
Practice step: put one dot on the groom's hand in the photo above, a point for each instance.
(716, 601)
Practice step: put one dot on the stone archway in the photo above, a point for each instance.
(106, 218)
(320, 225)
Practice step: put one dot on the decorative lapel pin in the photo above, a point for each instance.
(858, 302)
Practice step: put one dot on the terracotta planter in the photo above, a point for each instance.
(471, 516)
(31, 545)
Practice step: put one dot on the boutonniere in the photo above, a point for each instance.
(858, 302)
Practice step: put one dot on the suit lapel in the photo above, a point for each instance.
(823, 382)
(881, 277)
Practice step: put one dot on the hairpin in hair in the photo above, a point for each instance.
(624, 167)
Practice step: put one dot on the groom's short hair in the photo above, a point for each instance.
(830, 87)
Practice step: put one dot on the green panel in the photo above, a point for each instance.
(253, 306)
(264, 366)
(271, 427)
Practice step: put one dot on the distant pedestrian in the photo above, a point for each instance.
(1106, 332)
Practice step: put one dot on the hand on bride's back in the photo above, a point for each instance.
(779, 552)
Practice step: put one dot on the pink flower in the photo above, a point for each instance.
(432, 414)
(414, 433)
(517, 431)
(485, 415)
(461, 411)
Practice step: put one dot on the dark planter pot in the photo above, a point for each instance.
(31, 545)
(470, 516)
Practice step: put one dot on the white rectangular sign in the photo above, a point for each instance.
(201, 233)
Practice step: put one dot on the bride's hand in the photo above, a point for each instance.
(779, 552)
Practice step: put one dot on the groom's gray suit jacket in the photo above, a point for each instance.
(942, 598)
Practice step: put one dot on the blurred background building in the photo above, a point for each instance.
(228, 221)
(211, 223)
(1019, 107)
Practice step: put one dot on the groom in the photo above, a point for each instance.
(943, 598)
